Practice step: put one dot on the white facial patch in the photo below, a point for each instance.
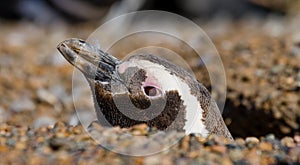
(168, 82)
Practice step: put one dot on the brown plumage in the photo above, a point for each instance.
(145, 89)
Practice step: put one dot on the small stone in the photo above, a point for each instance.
(288, 142)
(151, 160)
(200, 138)
(95, 126)
(20, 145)
(240, 141)
(276, 69)
(3, 115)
(3, 148)
(193, 154)
(270, 137)
(284, 129)
(184, 144)
(76, 129)
(140, 130)
(290, 80)
(139, 161)
(294, 51)
(297, 139)
(277, 115)
(11, 142)
(251, 142)
(236, 155)
(59, 91)
(46, 96)
(43, 121)
(228, 121)
(259, 73)
(264, 146)
(22, 104)
(82, 117)
(219, 149)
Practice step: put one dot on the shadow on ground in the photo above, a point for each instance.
(254, 122)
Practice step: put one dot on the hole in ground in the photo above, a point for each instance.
(254, 122)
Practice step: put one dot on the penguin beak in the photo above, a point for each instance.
(92, 62)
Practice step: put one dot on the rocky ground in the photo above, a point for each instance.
(63, 144)
(261, 57)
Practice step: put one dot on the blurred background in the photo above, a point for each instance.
(258, 40)
(48, 11)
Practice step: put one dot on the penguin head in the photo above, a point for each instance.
(141, 89)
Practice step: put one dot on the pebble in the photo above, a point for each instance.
(140, 130)
(20, 145)
(152, 160)
(270, 137)
(265, 146)
(251, 140)
(240, 141)
(297, 139)
(219, 149)
(3, 115)
(288, 142)
(43, 121)
(47, 96)
(22, 104)
(185, 143)
(276, 69)
(85, 118)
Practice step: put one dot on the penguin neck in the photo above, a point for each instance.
(170, 82)
(194, 111)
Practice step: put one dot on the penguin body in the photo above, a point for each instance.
(145, 89)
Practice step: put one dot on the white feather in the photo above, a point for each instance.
(169, 82)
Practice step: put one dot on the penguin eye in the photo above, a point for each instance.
(152, 91)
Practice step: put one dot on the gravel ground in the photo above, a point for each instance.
(262, 68)
(64, 144)
(261, 59)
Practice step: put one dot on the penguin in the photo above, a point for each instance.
(147, 89)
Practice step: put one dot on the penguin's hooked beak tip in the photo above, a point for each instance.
(92, 62)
